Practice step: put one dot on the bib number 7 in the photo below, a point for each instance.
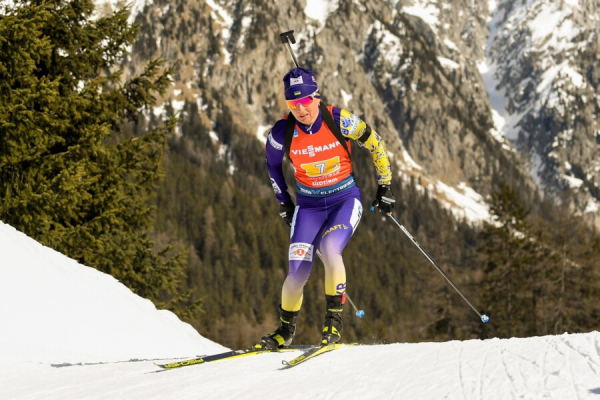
(320, 168)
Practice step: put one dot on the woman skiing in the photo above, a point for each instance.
(329, 208)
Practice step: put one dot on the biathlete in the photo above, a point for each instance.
(316, 139)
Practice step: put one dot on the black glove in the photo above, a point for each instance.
(286, 211)
(385, 199)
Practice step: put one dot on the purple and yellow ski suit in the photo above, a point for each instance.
(329, 205)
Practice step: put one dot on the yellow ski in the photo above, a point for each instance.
(314, 352)
(250, 351)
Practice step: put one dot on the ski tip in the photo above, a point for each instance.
(485, 318)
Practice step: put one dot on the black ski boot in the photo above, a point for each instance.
(332, 328)
(282, 337)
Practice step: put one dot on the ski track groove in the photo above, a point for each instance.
(528, 361)
(460, 376)
(543, 364)
(590, 362)
(401, 383)
(585, 357)
(351, 378)
(437, 361)
(481, 370)
(325, 385)
(513, 389)
(568, 364)
(366, 365)
(133, 360)
(571, 349)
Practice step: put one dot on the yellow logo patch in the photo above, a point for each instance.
(334, 228)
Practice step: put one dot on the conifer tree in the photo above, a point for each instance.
(540, 276)
(70, 175)
(572, 289)
(507, 247)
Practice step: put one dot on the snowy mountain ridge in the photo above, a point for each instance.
(522, 66)
(543, 56)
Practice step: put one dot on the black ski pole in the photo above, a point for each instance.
(287, 38)
(359, 313)
(483, 317)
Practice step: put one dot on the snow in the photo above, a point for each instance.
(262, 132)
(551, 21)
(224, 18)
(591, 206)
(572, 181)
(450, 44)
(71, 332)
(462, 201)
(346, 97)
(137, 6)
(552, 37)
(499, 123)
(56, 310)
(410, 163)
(446, 62)
(504, 123)
(158, 110)
(177, 105)
(7, 4)
(200, 103)
(426, 10)
(246, 25)
(320, 10)
(214, 135)
(388, 43)
(536, 168)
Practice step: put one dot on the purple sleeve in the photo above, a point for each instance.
(336, 115)
(275, 152)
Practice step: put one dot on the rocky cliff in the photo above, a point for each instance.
(466, 93)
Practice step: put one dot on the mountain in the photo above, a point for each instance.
(465, 93)
(71, 332)
(543, 58)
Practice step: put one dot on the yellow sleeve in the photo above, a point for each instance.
(354, 128)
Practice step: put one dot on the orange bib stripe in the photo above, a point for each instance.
(321, 164)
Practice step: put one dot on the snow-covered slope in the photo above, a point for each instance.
(53, 309)
(71, 332)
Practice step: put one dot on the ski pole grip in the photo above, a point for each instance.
(285, 36)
